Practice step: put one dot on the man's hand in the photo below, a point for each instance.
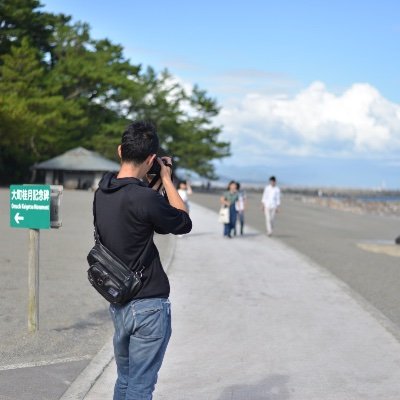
(165, 173)
(166, 169)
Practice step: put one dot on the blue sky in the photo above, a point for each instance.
(300, 82)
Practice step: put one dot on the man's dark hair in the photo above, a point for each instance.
(272, 178)
(138, 142)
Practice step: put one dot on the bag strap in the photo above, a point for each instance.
(142, 261)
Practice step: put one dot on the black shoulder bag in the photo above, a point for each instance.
(110, 276)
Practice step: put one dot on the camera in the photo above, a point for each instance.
(156, 167)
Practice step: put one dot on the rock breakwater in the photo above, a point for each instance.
(388, 208)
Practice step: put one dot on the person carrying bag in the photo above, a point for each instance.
(109, 275)
(125, 265)
(228, 201)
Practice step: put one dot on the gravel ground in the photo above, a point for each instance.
(74, 322)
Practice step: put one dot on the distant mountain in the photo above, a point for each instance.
(371, 174)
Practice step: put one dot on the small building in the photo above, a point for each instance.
(76, 169)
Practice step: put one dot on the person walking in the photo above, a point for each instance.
(128, 212)
(185, 190)
(240, 207)
(228, 199)
(271, 200)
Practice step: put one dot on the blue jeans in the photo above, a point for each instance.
(229, 227)
(142, 332)
(240, 215)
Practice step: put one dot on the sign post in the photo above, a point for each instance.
(30, 208)
(33, 280)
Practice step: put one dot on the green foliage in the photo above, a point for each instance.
(23, 18)
(59, 89)
(184, 122)
(33, 119)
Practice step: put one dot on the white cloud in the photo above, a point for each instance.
(313, 122)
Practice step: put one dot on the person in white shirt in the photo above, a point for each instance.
(185, 191)
(271, 201)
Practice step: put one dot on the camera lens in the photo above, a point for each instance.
(155, 168)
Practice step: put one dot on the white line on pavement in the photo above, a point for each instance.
(44, 362)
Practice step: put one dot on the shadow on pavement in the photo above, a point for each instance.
(96, 318)
(284, 236)
(274, 387)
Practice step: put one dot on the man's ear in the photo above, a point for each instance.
(119, 152)
(150, 159)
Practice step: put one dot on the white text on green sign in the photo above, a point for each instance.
(30, 206)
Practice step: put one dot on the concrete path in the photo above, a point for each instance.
(338, 241)
(253, 319)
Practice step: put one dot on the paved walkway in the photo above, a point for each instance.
(253, 319)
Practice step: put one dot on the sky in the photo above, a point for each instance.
(309, 90)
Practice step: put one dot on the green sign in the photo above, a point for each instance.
(30, 206)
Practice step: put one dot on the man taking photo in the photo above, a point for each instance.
(128, 212)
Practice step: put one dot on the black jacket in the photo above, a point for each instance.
(128, 213)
